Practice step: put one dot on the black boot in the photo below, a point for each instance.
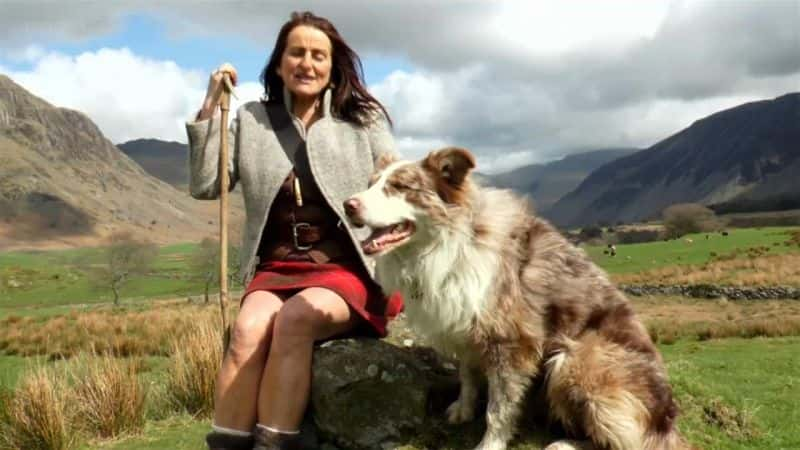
(272, 440)
(225, 441)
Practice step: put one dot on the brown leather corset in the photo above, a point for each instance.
(304, 233)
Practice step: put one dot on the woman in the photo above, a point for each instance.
(297, 157)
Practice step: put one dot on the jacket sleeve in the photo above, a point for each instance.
(204, 156)
(380, 138)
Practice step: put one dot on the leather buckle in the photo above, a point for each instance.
(295, 235)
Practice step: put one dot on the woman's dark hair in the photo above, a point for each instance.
(350, 100)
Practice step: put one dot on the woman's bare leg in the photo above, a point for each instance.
(240, 375)
(311, 315)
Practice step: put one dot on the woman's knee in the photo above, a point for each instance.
(297, 319)
(312, 314)
(251, 330)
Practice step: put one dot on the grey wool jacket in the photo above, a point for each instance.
(341, 156)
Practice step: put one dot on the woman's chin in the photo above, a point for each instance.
(303, 90)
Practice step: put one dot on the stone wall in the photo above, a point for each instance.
(714, 291)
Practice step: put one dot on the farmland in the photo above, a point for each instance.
(731, 363)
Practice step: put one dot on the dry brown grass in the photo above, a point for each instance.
(671, 318)
(119, 333)
(755, 270)
(111, 397)
(196, 358)
(39, 414)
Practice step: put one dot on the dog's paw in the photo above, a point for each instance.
(460, 412)
(570, 445)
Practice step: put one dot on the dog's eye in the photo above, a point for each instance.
(397, 185)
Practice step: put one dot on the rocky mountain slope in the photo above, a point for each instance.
(62, 183)
(750, 151)
(164, 160)
(546, 183)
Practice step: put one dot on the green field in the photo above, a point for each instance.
(734, 393)
(652, 255)
(56, 278)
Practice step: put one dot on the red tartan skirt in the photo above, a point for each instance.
(355, 286)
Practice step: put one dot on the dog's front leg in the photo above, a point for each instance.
(506, 392)
(463, 409)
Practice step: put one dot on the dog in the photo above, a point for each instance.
(487, 281)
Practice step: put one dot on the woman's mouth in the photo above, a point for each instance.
(304, 79)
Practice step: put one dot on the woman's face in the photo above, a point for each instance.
(306, 62)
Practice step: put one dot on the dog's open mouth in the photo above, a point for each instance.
(385, 238)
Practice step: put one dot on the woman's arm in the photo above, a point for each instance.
(381, 140)
(204, 136)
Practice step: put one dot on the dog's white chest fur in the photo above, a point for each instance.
(445, 286)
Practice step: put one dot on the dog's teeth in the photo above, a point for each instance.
(375, 243)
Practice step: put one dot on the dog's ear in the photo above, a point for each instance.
(451, 163)
(384, 160)
(451, 166)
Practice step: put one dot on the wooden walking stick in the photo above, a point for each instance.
(224, 182)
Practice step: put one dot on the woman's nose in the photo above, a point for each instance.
(305, 62)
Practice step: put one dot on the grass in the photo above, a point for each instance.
(139, 329)
(738, 393)
(38, 415)
(764, 270)
(195, 361)
(733, 393)
(652, 255)
(59, 277)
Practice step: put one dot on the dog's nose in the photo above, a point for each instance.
(351, 206)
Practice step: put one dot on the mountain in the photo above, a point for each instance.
(546, 183)
(165, 160)
(62, 183)
(751, 151)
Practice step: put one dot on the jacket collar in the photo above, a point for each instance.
(326, 102)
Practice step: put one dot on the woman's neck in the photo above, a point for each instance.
(307, 110)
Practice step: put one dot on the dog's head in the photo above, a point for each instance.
(406, 197)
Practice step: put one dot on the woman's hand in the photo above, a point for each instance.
(214, 90)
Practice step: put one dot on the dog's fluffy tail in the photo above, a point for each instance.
(616, 396)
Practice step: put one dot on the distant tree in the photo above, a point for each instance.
(204, 264)
(591, 232)
(122, 259)
(685, 218)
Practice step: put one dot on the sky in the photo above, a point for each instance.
(516, 82)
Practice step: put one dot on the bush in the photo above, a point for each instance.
(638, 236)
(686, 218)
(38, 415)
(112, 400)
(591, 232)
(196, 359)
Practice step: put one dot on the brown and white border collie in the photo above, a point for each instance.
(488, 282)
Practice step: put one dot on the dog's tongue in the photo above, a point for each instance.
(381, 236)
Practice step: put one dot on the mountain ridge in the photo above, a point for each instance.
(718, 158)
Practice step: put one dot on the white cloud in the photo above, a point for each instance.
(515, 81)
(126, 95)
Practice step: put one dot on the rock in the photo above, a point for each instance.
(356, 409)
